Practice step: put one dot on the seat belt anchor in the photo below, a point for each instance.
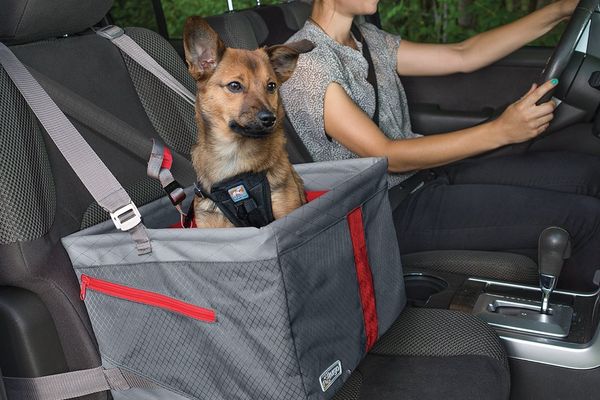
(126, 217)
(110, 32)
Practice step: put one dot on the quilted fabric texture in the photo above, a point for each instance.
(27, 191)
(190, 356)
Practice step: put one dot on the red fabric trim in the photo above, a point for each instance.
(167, 159)
(364, 276)
(310, 196)
(178, 225)
(146, 297)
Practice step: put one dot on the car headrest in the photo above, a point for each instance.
(30, 20)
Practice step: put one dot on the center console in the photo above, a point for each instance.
(536, 323)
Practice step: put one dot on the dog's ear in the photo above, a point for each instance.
(284, 57)
(203, 48)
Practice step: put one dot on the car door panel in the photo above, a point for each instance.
(445, 103)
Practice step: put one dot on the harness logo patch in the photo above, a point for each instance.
(238, 193)
(330, 375)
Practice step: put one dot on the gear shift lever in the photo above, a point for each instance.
(554, 247)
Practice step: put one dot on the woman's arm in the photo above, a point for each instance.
(417, 59)
(351, 127)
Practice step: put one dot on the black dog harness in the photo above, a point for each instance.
(244, 199)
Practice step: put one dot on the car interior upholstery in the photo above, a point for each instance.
(119, 107)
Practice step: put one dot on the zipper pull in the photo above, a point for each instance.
(85, 281)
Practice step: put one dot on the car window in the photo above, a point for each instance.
(448, 21)
(134, 13)
(141, 12)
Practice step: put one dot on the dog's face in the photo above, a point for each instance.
(238, 93)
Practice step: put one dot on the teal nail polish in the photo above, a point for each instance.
(554, 81)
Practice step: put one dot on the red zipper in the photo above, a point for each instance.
(145, 297)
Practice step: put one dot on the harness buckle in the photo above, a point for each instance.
(110, 32)
(126, 217)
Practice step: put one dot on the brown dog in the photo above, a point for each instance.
(239, 116)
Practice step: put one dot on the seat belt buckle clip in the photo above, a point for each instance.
(175, 192)
(110, 32)
(126, 217)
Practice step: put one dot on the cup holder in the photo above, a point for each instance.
(420, 288)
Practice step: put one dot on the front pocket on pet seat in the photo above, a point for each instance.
(145, 297)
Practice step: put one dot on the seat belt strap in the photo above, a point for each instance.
(128, 46)
(92, 172)
(73, 384)
(371, 76)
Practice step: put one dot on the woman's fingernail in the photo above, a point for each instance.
(554, 81)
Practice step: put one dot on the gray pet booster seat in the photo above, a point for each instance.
(286, 311)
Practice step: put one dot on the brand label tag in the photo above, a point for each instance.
(238, 193)
(330, 375)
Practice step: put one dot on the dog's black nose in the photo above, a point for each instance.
(267, 118)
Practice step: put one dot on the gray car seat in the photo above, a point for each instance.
(44, 328)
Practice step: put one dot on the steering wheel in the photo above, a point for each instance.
(558, 62)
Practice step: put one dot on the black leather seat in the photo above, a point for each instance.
(42, 201)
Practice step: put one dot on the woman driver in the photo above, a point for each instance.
(501, 203)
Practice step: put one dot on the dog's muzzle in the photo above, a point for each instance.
(251, 131)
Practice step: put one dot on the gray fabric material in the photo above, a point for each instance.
(235, 29)
(157, 393)
(74, 384)
(65, 386)
(193, 357)
(346, 181)
(177, 245)
(296, 13)
(267, 286)
(25, 169)
(493, 265)
(259, 27)
(171, 116)
(327, 332)
(428, 332)
(29, 20)
(330, 62)
(384, 256)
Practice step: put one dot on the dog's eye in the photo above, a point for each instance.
(234, 87)
(271, 86)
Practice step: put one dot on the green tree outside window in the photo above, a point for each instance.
(431, 21)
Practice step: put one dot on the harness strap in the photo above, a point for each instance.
(128, 46)
(86, 164)
(244, 199)
(74, 384)
(159, 167)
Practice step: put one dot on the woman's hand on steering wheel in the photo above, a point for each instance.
(567, 7)
(523, 120)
